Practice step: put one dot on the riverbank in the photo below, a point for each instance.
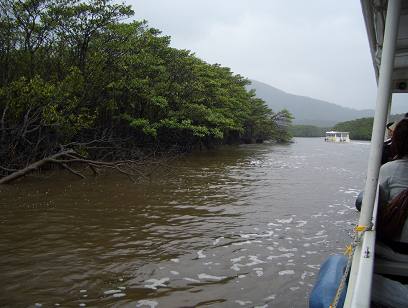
(138, 169)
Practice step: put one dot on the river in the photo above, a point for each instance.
(241, 226)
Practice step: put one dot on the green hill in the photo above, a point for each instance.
(308, 131)
(360, 129)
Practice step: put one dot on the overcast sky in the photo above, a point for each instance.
(314, 48)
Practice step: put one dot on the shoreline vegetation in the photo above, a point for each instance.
(308, 131)
(360, 129)
(79, 85)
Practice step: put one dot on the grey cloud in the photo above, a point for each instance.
(313, 48)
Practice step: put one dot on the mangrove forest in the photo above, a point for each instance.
(81, 82)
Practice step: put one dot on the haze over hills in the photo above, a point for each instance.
(306, 110)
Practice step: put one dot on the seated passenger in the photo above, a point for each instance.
(385, 158)
(393, 180)
(392, 223)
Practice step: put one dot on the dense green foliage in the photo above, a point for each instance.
(308, 131)
(360, 129)
(73, 73)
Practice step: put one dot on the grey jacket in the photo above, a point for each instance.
(393, 179)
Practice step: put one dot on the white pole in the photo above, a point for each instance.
(377, 139)
(381, 110)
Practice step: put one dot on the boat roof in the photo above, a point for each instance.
(374, 12)
(336, 132)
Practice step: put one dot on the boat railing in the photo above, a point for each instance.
(363, 261)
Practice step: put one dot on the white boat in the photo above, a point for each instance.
(334, 136)
(387, 29)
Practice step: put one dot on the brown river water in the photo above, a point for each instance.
(241, 226)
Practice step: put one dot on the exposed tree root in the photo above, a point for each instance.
(65, 158)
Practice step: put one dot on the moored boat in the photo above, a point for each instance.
(334, 136)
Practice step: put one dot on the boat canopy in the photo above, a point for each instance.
(374, 12)
(332, 132)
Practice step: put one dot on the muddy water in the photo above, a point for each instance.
(242, 226)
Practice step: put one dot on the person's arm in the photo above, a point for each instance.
(384, 188)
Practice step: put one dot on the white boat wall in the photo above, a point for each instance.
(334, 136)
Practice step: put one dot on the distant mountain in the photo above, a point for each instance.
(306, 110)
